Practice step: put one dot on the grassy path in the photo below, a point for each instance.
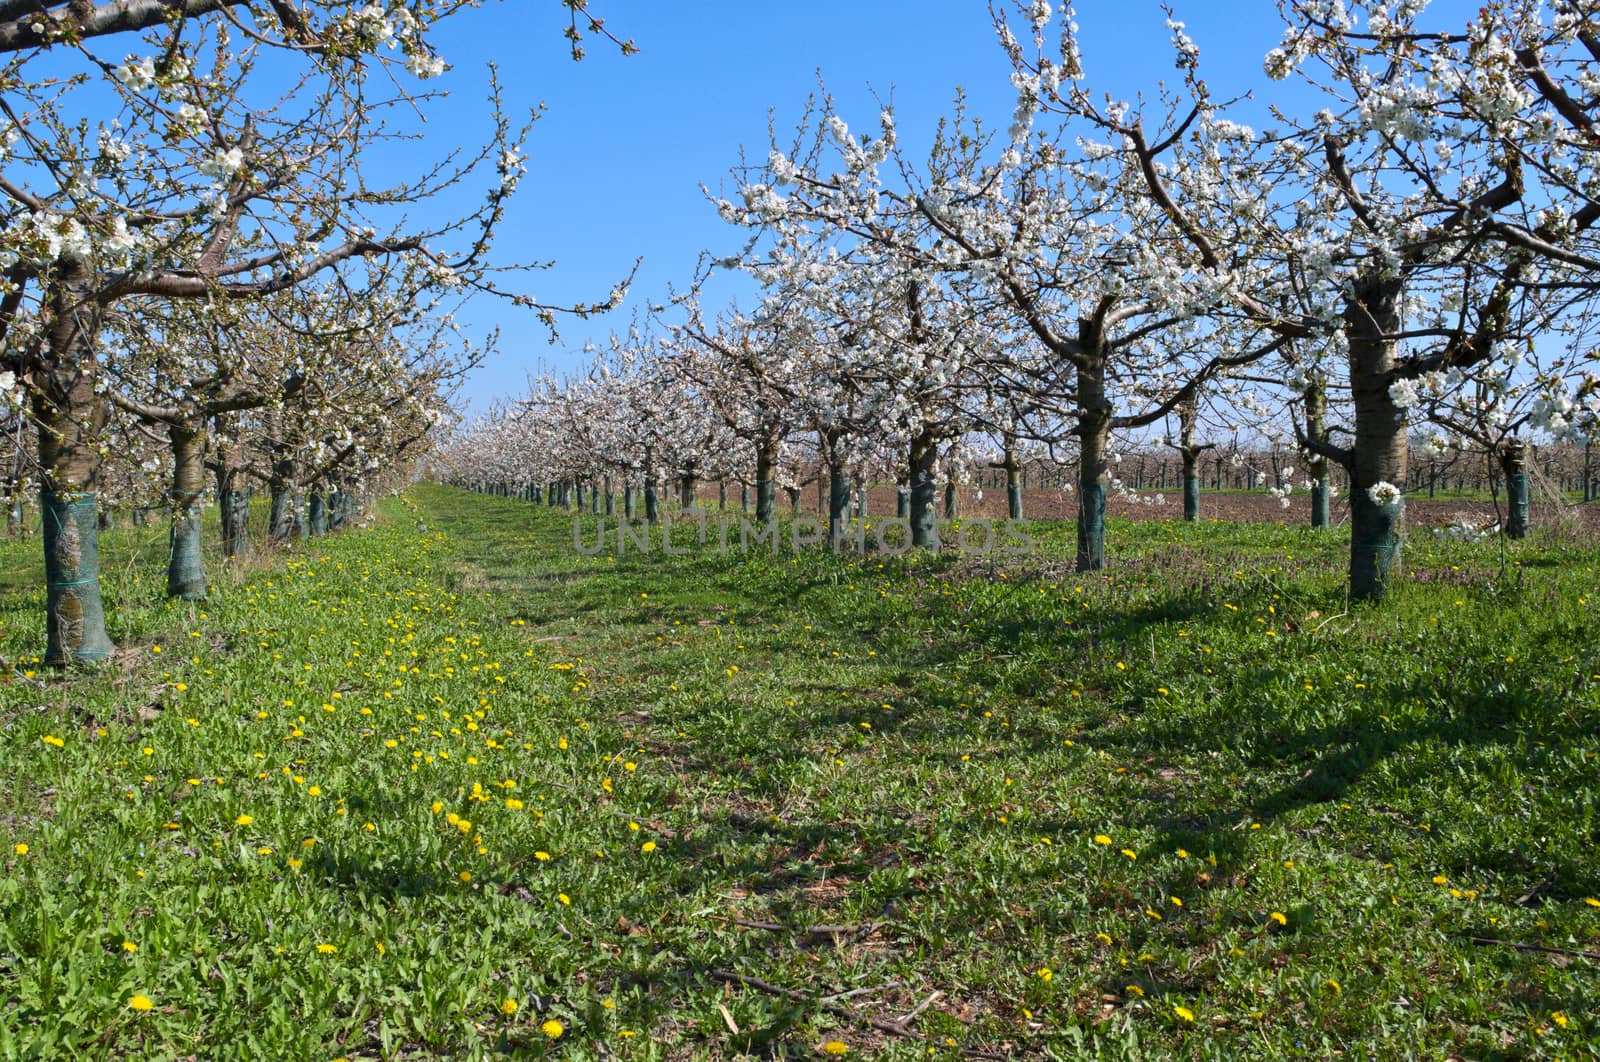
(450, 788)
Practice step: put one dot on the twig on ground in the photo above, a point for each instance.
(893, 1028)
(1527, 898)
(862, 991)
(1547, 949)
(848, 929)
(924, 1005)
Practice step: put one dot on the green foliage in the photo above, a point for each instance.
(1192, 805)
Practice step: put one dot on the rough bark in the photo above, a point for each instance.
(70, 417)
(186, 578)
(1094, 474)
(1514, 464)
(766, 461)
(838, 506)
(1379, 455)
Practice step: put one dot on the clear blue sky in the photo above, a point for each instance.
(616, 164)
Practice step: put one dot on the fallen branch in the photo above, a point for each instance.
(862, 991)
(1547, 949)
(893, 1028)
(848, 929)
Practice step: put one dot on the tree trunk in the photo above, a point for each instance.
(1094, 476)
(766, 461)
(924, 461)
(838, 506)
(280, 517)
(1379, 454)
(186, 578)
(1317, 431)
(1013, 481)
(70, 417)
(1514, 463)
(317, 513)
(1191, 484)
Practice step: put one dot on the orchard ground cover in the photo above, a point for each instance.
(448, 788)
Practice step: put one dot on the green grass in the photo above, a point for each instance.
(1191, 806)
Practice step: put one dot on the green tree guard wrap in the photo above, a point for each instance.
(1320, 498)
(75, 621)
(902, 501)
(1517, 505)
(186, 578)
(1374, 544)
(950, 504)
(924, 518)
(744, 499)
(629, 506)
(766, 496)
(1191, 499)
(1091, 527)
(234, 513)
(652, 505)
(317, 514)
(336, 512)
(1013, 496)
(838, 509)
(280, 516)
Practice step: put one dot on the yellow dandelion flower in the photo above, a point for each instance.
(553, 1029)
(244, 820)
(1279, 917)
(1183, 1012)
(326, 949)
(835, 1048)
(508, 1007)
(140, 1003)
(20, 848)
(1101, 838)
